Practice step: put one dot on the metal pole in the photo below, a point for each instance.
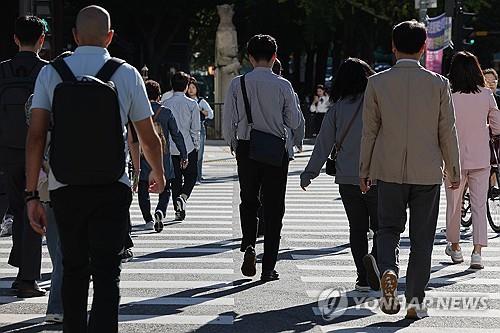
(423, 11)
(423, 19)
(457, 26)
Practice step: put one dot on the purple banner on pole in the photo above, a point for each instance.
(438, 32)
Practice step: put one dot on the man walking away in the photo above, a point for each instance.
(17, 79)
(264, 106)
(167, 129)
(187, 116)
(408, 130)
(91, 201)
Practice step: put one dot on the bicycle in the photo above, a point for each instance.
(493, 195)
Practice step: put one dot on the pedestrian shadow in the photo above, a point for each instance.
(203, 294)
(384, 326)
(36, 325)
(287, 253)
(199, 250)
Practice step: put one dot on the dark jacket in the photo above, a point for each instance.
(170, 130)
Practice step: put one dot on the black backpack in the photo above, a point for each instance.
(16, 86)
(87, 144)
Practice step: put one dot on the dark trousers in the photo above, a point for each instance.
(4, 200)
(361, 210)
(184, 179)
(93, 226)
(145, 202)
(318, 120)
(423, 201)
(26, 253)
(129, 243)
(254, 177)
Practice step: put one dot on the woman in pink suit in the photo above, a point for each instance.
(475, 108)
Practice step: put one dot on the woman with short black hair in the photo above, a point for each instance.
(475, 108)
(341, 130)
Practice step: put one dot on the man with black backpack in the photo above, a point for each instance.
(17, 79)
(90, 98)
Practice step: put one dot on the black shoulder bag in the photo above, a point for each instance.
(330, 168)
(264, 147)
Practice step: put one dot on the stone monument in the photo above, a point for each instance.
(226, 56)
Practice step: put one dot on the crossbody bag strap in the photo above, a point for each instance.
(248, 110)
(346, 131)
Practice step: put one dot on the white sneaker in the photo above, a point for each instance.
(150, 225)
(456, 256)
(55, 318)
(6, 227)
(181, 204)
(475, 261)
(158, 221)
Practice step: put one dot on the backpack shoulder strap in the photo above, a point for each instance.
(63, 70)
(109, 68)
(245, 99)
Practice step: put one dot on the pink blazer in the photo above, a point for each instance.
(473, 113)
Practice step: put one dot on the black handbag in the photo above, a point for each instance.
(264, 147)
(330, 168)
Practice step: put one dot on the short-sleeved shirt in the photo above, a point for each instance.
(88, 60)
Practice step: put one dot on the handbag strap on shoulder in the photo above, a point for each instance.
(248, 110)
(348, 128)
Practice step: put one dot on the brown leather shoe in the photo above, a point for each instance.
(28, 289)
(389, 302)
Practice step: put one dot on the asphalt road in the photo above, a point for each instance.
(188, 278)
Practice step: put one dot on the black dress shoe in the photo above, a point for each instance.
(28, 289)
(269, 276)
(249, 261)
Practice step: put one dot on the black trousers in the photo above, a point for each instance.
(4, 200)
(361, 210)
(254, 177)
(423, 201)
(93, 225)
(318, 120)
(26, 253)
(185, 180)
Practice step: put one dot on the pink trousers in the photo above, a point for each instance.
(478, 181)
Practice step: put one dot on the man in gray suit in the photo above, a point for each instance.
(408, 130)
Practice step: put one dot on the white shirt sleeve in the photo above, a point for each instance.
(41, 96)
(140, 107)
(205, 106)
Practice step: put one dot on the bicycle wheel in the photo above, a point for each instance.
(493, 208)
(466, 220)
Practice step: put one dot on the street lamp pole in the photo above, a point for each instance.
(423, 11)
